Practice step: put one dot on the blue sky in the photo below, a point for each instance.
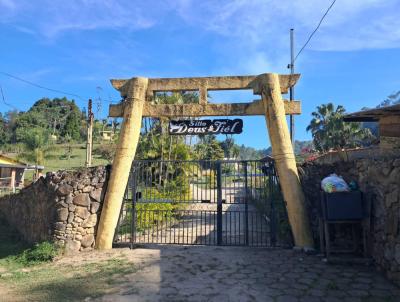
(77, 46)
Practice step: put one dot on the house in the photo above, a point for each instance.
(12, 173)
(389, 124)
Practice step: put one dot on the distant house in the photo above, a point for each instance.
(12, 173)
(389, 124)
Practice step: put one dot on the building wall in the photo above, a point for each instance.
(66, 206)
(6, 177)
(63, 207)
(379, 179)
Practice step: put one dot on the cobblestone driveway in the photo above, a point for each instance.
(197, 273)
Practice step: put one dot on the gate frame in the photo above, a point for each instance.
(138, 94)
(140, 182)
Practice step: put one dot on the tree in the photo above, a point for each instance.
(249, 153)
(329, 131)
(36, 145)
(106, 151)
(155, 143)
(209, 148)
(72, 126)
(228, 145)
(4, 133)
(391, 100)
(59, 117)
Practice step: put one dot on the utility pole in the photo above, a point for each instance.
(89, 142)
(291, 91)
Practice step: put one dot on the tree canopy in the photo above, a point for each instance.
(329, 131)
(59, 117)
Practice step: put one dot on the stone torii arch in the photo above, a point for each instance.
(139, 92)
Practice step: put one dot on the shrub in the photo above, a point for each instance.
(105, 151)
(40, 252)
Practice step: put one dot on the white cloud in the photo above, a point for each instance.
(38, 74)
(7, 9)
(7, 4)
(51, 18)
(252, 35)
(363, 23)
(351, 24)
(255, 33)
(88, 15)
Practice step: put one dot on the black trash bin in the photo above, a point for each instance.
(342, 205)
(339, 208)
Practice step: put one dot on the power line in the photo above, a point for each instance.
(4, 99)
(315, 30)
(40, 86)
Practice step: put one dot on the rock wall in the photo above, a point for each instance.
(379, 179)
(63, 206)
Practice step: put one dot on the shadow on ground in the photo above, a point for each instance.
(77, 283)
(11, 243)
(207, 273)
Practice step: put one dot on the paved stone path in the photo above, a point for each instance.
(199, 221)
(223, 274)
(200, 227)
(231, 193)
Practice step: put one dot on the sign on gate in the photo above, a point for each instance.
(217, 126)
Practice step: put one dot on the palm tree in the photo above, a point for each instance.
(329, 131)
(231, 150)
(209, 148)
(155, 143)
(36, 147)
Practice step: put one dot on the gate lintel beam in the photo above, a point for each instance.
(205, 83)
(197, 110)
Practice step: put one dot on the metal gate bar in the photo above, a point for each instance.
(200, 203)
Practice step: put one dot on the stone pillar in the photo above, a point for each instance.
(129, 136)
(269, 87)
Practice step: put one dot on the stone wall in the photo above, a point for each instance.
(63, 206)
(379, 179)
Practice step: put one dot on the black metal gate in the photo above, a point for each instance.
(201, 202)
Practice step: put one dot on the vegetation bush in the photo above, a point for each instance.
(149, 215)
(105, 151)
(40, 252)
(211, 179)
(270, 198)
(153, 214)
(176, 188)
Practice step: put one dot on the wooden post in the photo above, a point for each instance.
(125, 153)
(268, 86)
(12, 181)
(89, 138)
(291, 92)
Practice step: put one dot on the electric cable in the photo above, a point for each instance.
(315, 30)
(41, 86)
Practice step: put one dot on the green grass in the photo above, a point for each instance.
(59, 160)
(29, 274)
(39, 253)
(14, 253)
(50, 282)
